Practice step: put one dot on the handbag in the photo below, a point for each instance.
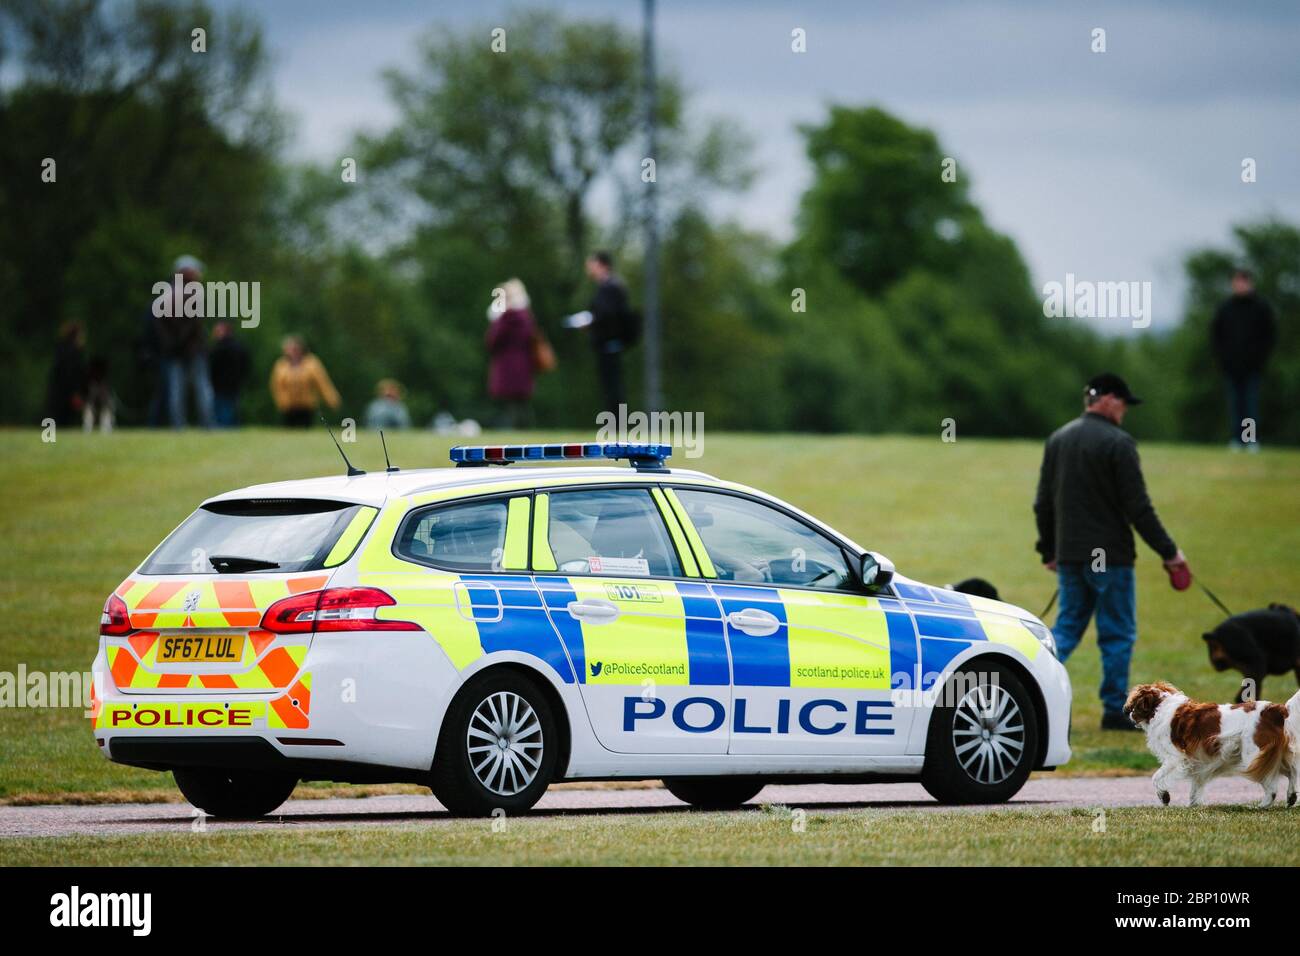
(543, 354)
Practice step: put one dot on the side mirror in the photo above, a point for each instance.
(876, 570)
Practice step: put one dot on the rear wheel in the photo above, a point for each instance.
(983, 737)
(713, 793)
(498, 747)
(234, 793)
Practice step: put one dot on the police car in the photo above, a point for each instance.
(486, 631)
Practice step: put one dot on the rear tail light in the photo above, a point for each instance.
(334, 609)
(114, 619)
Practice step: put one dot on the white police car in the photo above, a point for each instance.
(486, 631)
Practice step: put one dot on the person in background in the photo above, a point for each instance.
(1242, 336)
(1090, 491)
(386, 409)
(610, 309)
(101, 402)
(229, 365)
(299, 383)
(65, 395)
(511, 334)
(182, 349)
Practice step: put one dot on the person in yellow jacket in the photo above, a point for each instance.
(299, 383)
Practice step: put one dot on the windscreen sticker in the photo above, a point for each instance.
(599, 565)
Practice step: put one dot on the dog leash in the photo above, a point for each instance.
(1210, 594)
(1052, 603)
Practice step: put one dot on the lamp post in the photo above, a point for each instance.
(653, 382)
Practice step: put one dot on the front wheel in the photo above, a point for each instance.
(239, 794)
(983, 737)
(713, 793)
(498, 747)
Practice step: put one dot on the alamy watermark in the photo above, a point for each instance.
(1085, 299)
(683, 430)
(212, 300)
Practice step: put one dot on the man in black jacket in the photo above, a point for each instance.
(1242, 335)
(1090, 491)
(610, 309)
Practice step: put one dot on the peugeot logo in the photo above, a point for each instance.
(191, 601)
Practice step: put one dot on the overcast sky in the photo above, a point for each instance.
(1107, 165)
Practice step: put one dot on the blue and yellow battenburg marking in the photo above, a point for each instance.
(949, 622)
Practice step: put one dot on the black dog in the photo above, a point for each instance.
(1257, 643)
(977, 586)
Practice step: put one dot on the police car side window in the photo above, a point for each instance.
(750, 542)
(616, 532)
(464, 537)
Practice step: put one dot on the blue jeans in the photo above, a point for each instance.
(175, 371)
(225, 409)
(1113, 595)
(1243, 403)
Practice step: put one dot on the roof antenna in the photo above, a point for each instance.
(352, 472)
(389, 464)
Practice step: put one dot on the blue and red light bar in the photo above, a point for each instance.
(641, 455)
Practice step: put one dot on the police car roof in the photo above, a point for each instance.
(375, 488)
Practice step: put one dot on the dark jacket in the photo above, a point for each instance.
(609, 313)
(510, 355)
(1090, 490)
(1243, 334)
(229, 364)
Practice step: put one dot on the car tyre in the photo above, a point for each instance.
(983, 736)
(714, 793)
(498, 747)
(237, 794)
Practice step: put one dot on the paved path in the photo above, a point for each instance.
(404, 810)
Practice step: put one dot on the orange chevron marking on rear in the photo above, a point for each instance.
(123, 669)
(291, 715)
(143, 620)
(298, 585)
(142, 641)
(125, 586)
(173, 680)
(278, 667)
(302, 694)
(221, 681)
(259, 640)
(237, 604)
(160, 595)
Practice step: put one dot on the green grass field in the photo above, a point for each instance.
(83, 511)
(1210, 836)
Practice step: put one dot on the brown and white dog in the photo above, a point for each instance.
(1199, 741)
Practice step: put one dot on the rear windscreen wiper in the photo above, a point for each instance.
(229, 564)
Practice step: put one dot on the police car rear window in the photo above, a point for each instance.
(463, 537)
(257, 535)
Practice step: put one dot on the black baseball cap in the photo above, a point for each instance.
(1108, 383)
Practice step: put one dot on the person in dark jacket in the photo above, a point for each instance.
(65, 395)
(228, 364)
(1091, 494)
(510, 337)
(182, 346)
(1242, 335)
(610, 311)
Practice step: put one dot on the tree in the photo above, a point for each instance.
(158, 149)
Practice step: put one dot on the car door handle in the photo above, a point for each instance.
(596, 611)
(754, 622)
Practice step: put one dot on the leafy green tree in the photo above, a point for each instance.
(158, 149)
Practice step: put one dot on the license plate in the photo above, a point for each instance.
(201, 649)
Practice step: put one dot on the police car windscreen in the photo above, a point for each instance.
(265, 536)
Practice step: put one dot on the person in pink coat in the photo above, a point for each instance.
(511, 338)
